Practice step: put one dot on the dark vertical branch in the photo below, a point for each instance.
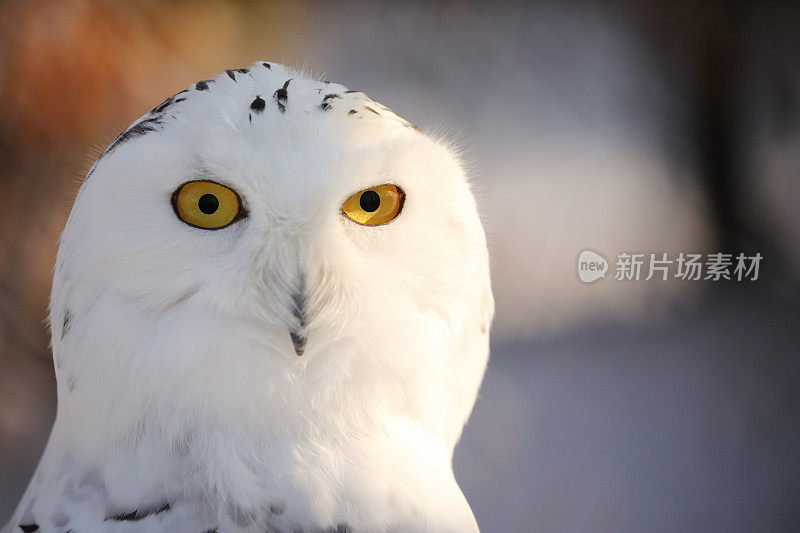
(717, 52)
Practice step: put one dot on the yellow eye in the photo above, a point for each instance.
(207, 205)
(374, 206)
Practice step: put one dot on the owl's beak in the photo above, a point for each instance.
(297, 333)
(299, 342)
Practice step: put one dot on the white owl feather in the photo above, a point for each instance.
(182, 402)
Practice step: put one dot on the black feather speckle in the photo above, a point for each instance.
(137, 130)
(258, 104)
(283, 92)
(282, 95)
(135, 516)
(65, 323)
(163, 105)
(28, 528)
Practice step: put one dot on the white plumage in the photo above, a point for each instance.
(182, 404)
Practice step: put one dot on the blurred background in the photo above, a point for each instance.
(625, 126)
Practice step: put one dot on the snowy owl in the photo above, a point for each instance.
(270, 312)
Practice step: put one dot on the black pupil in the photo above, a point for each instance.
(370, 201)
(208, 204)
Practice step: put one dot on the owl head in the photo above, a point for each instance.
(265, 252)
